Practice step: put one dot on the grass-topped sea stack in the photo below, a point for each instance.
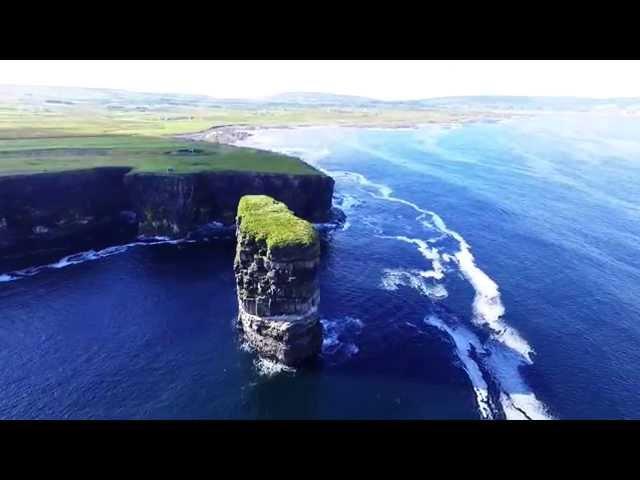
(276, 269)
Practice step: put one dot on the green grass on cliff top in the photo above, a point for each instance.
(264, 218)
(142, 153)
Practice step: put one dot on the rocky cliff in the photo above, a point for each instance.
(79, 209)
(174, 205)
(64, 211)
(276, 270)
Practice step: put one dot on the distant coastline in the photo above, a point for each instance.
(231, 134)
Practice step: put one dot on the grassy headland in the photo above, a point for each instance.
(142, 153)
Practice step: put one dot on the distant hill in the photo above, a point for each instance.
(525, 103)
(127, 100)
(457, 103)
(321, 99)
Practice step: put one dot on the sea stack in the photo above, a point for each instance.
(276, 271)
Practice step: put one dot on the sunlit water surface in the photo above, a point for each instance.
(485, 271)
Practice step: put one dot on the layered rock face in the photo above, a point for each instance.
(64, 211)
(77, 210)
(173, 205)
(276, 271)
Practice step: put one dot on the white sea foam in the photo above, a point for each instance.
(505, 351)
(88, 256)
(466, 343)
(426, 251)
(347, 202)
(516, 398)
(487, 305)
(265, 366)
(448, 258)
(338, 343)
(392, 279)
(269, 368)
(437, 239)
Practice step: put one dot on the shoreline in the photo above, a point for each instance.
(232, 134)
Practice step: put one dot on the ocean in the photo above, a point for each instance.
(485, 271)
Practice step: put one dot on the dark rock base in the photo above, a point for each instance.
(290, 340)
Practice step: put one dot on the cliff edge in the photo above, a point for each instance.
(81, 209)
(72, 193)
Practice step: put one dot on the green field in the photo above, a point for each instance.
(50, 122)
(54, 138)
(40, 131)
(144, 154)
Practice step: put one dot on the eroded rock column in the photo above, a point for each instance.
(276, 271)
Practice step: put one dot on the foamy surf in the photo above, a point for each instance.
(346, 202)
(269, 368)
(265, 367)
(504, 352)
(427, 252)
(465, 344)
(487, 305)
(339, 335)
(88, 256)
(392, 279)
(516, 398)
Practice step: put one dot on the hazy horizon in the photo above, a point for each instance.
(300, 92)
(379, 80)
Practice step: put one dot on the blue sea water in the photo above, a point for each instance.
(490, 270)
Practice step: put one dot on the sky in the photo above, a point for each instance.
(381, 79)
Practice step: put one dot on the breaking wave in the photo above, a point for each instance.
(338, 343)
(88, 256)
(504, 351)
